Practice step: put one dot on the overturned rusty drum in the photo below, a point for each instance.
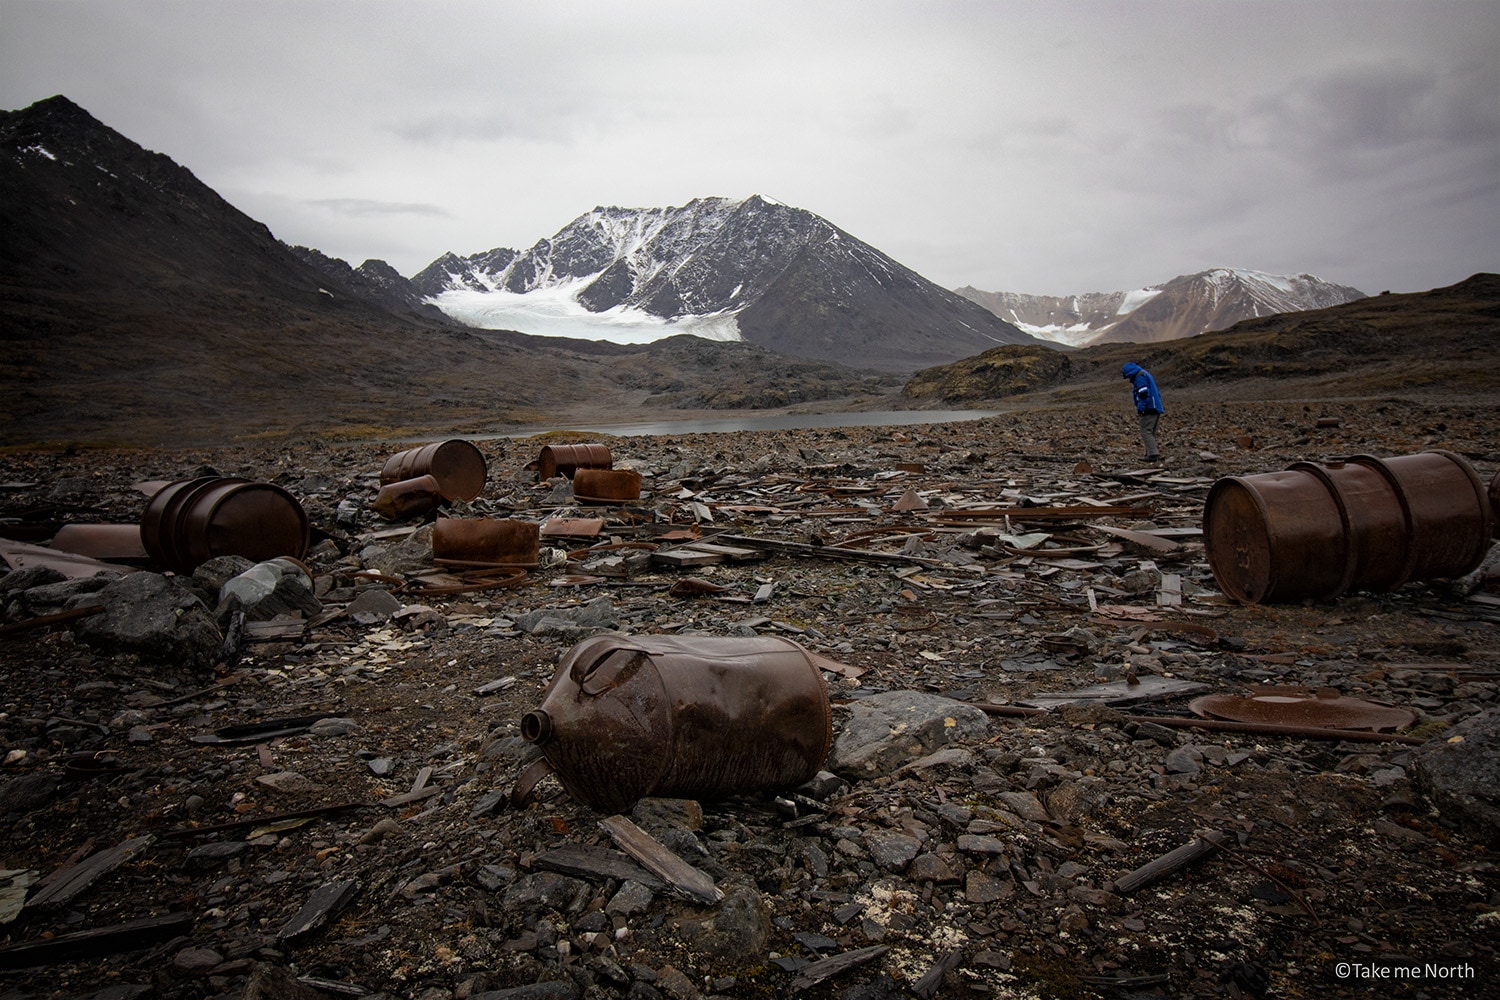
(408, 497)
(457, 466)
(1363, 524)
(192, 521)
(566, 459)
(607, 485)
(697, 717)
(486, 541)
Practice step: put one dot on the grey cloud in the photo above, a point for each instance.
(370, 206)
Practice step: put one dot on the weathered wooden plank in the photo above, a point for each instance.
(646, 849)
(1173, 861)
(95, 942)
(83, 875)
(579, 859)
(833, 965)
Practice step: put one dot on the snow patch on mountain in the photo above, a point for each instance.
(554, 311)
(1134, 300)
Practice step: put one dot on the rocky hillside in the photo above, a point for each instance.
(140, 307)
(776, 276)
(1444, 339)
(1186, 306)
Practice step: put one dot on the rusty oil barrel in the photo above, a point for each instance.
(486, 541)
(1317, 531)
(696, 717)
(118, 542)
(457, 466)
(607, 485)
(189, 522)
(1495, 504)
(566, 459)
(408, 498)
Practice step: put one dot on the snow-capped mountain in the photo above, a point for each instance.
(753, 270)
(1183, 307)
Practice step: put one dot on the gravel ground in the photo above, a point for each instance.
(981, 858)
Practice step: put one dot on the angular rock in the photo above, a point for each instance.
(152, 616)
(1460, 774)
(888, 730)
(738, 929)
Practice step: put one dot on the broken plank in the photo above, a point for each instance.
(1143, 539)
(833, 965)
(83, 875)
(831, 551)
(95, 942)
(661, 862)
(1173, 861)
(579, 859)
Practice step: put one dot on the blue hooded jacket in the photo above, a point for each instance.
(1147, 396)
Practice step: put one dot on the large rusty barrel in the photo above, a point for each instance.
(1365, 523)
(1495, 503)
(566, 459)
(698, 717)
(486, 541)
(191, 521)
(457, 466)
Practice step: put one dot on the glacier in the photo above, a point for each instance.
(554, 311)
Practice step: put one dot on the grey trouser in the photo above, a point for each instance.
(1148, 433)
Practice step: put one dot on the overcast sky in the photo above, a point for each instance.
(1046, 147)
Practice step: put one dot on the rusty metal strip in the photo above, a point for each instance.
(43, 621)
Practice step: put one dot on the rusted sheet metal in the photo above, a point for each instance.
(20, 555)
(408, 498)
(1362, 524)
(566, 459)
(607, 485)
(699, 717)
(101, 541)
(191, 521)
(486, 541)
(1324, 708)
(457, 465)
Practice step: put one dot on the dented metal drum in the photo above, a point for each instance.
(566, 459)
(699, 717)
(607, 485)
(486, 541)
(457, 465)
(187, 523)
(408, 497)
(1317, 531)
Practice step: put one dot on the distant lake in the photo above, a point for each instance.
(777, 422)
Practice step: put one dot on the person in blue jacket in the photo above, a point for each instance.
(1148, 405)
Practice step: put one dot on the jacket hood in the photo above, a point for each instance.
(1130, 369)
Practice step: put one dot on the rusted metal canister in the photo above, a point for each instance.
(191, 521)
(1363, 524)
(697, 717)
(408, 498)
(566, 459)
(457, 466)
(119, 542)
(486, 541)
(607, 485)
